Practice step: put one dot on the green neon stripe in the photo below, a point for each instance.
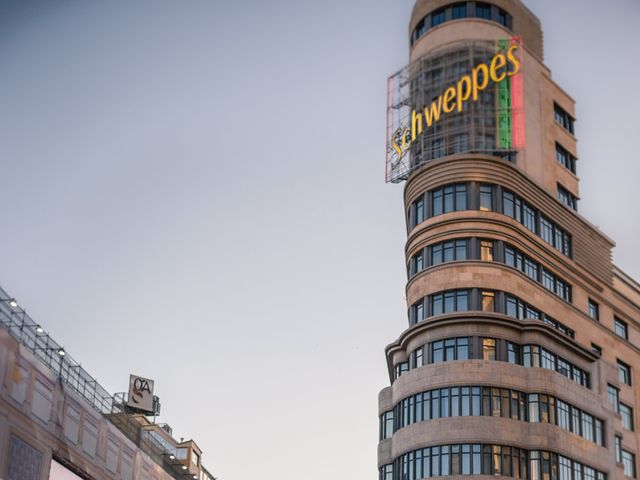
(504, 105)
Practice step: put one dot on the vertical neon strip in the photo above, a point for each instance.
(518, 139)
(504, 106)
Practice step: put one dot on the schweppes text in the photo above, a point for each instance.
(501, 66)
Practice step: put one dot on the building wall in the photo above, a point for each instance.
(588, 270)
(39, 419)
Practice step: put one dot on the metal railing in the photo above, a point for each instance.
(71, 374)
(31, 335)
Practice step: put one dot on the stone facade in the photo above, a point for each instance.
(595, 346)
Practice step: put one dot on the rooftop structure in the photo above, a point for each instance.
(55, 416)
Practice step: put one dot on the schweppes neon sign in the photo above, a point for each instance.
(502, 66)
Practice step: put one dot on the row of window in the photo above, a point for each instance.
(516, 259)
(488, 250)
(458, 11)
(488, 197)
(625, 411)
(620, 327)
(484, 348)
(491, 401)
(537, 356)
(482, 459)
(465, 300)
(532, 219)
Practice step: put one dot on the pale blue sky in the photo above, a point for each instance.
(194, 191)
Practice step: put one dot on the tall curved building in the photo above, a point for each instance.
(521, 355)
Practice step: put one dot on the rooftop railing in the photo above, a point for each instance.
(70, 373)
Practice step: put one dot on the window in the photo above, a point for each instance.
(548, 360)
(618, 441)
(514, 207)
(461, 250)
(596, 349)
(195, 458)
(486, 197)
(489, 348)
(508, 204)
(531, 269)
(386, 425)
(513, 353)
(529, 217)
(624, 373)
(629, 464)
(450, 349)
(417, 313)
(418, 212)
(449, 199)
(620, 328)
(448, 251)
(627, 416)
(503, 18)
(483, 10)
(488, 303)
(450, 301)
(564, 158)
(614, 397)
(460, 142)
(564, 419)
(437, 17)
(417, 263)
(386, 472)
(486, 250)
(567, 197)
(401, 369)
(459, 10)
(594, 310)
(546, 230)
(587, 426)
(563, 118)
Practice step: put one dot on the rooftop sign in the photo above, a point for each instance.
(141, 394)
(412, 129)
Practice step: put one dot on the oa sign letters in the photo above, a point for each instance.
(140, 394)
